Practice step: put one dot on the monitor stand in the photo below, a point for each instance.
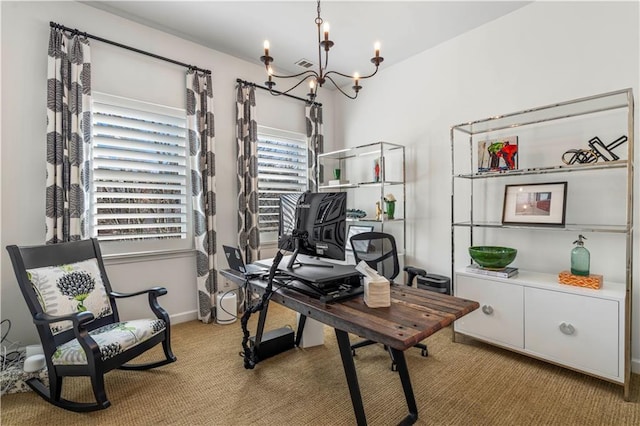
(293, 262)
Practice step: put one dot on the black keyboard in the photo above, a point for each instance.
(342, 293)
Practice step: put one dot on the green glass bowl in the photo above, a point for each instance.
(492, 257)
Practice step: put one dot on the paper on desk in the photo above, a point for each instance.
(377, 290)
(368, 271)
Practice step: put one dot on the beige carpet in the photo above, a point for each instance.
(458, 384)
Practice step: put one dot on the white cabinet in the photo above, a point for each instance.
(500, 317)
(577, 331)
(584, 329)
(569, 326)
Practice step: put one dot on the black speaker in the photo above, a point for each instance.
(433, 282)
(273, 342)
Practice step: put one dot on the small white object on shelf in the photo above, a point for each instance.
(338, 182)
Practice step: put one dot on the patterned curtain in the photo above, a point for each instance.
(200, 126)
(247, 141)
(313, 114)
(68, 137)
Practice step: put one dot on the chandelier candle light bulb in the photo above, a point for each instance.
(356, 86)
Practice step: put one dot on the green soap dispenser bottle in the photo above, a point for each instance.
(580, 258)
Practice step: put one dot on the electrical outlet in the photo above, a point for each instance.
(228, 286)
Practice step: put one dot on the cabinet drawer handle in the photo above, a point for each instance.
(487, 309)
(567, 329)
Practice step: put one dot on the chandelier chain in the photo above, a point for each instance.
(319, 18)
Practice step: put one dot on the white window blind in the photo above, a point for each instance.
(139, 162)
(282, 168)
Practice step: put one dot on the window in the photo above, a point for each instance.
(282, 168)
(139, 191)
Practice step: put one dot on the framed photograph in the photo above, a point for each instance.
(535, 204)
(498, 154)
(354, 230)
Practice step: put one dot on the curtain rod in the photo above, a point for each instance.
(248, 83)
(133, 49)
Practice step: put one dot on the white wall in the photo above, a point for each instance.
(25, 33)
(543, 53)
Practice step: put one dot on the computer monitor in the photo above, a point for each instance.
(313, 224)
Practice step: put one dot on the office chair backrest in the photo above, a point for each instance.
(379, 251)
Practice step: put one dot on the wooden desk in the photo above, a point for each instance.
(414, 315)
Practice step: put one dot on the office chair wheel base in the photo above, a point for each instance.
(394, 367)
(425, 352)
(353, 352)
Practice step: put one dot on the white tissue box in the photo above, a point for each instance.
(377, 292)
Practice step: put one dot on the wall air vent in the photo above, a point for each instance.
(304, 63)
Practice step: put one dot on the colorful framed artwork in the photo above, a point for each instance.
(535, 204)
(498, 154)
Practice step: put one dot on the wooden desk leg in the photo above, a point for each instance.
(403, 371)
(352, 378)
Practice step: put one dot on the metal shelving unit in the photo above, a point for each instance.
(357, 178)
(572, 119)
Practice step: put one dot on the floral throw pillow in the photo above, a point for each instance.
(65, 289)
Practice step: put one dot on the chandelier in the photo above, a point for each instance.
(322, 75)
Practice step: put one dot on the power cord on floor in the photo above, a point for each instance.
(250, 356)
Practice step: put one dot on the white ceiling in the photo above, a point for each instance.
(239, 28)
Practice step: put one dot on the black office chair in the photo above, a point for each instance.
(379, 251)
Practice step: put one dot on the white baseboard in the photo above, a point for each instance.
(635, 365)
(183, 317)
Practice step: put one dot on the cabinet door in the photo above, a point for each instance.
(578, 331)
(500, 317)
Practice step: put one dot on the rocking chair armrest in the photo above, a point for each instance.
(156, 291)
(153, 293)
(78, 318)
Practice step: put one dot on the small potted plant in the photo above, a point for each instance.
(390, 201)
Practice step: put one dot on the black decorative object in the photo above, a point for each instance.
(606, 151)
(579, 156)
(598, 151)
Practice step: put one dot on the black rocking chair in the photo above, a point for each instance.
(74, 309)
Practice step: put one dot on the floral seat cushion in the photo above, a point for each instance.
(112, 340)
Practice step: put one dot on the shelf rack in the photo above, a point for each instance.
(575, 109)
(356, 166)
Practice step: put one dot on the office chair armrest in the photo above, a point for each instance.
(413, 272)
(77, 318)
